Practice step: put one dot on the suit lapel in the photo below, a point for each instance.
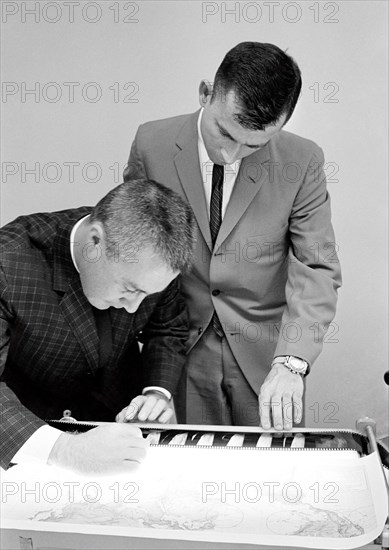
(188, 169)
(75, 308)
(252, 174)
(78, 313)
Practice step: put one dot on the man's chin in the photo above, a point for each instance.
(218, 161)
(98, 304)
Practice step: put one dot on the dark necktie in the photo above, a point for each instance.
(216, 201)
(104, 331)
(215, 222)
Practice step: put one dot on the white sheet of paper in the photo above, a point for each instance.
(319, 499)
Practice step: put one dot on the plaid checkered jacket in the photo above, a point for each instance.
(49, 346)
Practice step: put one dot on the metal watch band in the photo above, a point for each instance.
(285, 360)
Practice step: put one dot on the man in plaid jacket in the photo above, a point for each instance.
(78, 288)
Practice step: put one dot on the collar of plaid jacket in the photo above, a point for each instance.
(64, 269)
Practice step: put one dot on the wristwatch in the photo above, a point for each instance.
(294, 364)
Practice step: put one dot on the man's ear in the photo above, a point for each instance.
(205, 92)
(96, 233)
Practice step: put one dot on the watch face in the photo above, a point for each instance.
(297, 364)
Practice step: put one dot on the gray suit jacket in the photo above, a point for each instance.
(274, 262)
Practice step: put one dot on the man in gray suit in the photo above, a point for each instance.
(263, 289)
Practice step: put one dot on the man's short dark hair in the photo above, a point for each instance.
(265, 80)
(142, 213)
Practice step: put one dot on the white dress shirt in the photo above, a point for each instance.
(206, 166)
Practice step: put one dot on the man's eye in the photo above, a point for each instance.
(129, 291)
(223, 133)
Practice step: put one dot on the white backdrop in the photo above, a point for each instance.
(79, 77)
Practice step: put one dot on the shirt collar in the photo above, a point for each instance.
(202, 148)
(72, 241)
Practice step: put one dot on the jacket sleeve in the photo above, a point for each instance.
(313, 271)
(166, 333)
(164, 338)
(17, 423)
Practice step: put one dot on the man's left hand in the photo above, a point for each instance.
(280, 398)
(152, 407)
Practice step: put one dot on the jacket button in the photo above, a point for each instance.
(215, 292)
(200, 330)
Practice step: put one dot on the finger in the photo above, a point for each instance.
(158, 408)
(134, 407)
(135, 433)
(135, 454)
(136, 443)
(297, 408)
(276, 410)
(118, 431)
(121, 417)
(127, 413)
(287, 411)
(136, 450)
(264, 412)
(166, 416)
(147, 407)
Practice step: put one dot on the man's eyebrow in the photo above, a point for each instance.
(227, 134)
(257, 146)
(224, 131)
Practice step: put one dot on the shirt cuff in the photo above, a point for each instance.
(164, 392)
(38, 447)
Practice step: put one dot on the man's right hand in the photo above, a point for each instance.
(103, 450)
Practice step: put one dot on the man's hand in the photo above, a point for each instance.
(102, 450)
(281, 395)
(151, 407)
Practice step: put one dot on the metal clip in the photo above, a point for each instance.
(67, 416)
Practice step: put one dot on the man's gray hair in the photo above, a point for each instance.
(143, 213)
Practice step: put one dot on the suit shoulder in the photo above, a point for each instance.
(165, 123)
(37, 230)
(296, 147)
(162, 132)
